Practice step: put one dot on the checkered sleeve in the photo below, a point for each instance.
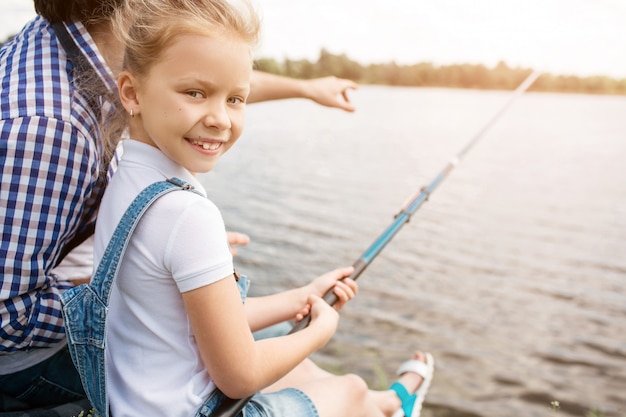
(42, 207)
(51, 179)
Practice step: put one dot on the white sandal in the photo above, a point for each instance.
(412, 403)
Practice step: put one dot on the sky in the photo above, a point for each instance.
(568, 37)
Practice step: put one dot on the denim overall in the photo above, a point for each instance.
(85, 306)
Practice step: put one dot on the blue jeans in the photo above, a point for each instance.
(289, 402)
(53, 381)
(276, 330)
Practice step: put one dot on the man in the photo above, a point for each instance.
(54, 171)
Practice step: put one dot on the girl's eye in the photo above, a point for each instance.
(235, 100)
(195, 94)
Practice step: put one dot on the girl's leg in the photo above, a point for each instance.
(388, 401)
(348, 394)
(306, 371)
(340, 396)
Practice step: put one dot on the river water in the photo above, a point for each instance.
(513, 274)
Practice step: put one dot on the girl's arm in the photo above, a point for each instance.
(238, 365)
(268, 310)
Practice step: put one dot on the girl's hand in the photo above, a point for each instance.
(323, 317)
(343, 287)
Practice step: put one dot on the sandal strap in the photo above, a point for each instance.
(408, 400)
(415, 366)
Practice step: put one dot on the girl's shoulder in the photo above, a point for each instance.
(184, 201)
(186, 216)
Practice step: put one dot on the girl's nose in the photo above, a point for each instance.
(217, 116)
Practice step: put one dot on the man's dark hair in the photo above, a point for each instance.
(85, 11)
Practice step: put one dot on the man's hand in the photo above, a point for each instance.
(331, 92)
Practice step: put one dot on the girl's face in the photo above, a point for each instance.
(191, 103)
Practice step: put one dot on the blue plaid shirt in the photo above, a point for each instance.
(51, 184)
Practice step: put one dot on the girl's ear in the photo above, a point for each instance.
(127, 87)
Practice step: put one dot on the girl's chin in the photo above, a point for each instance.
(200, 168)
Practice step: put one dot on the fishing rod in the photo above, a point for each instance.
(231, 407)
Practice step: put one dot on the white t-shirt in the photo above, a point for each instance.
(153, 364)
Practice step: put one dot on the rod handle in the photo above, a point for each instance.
(330, 297)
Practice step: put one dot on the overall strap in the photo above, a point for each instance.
(107, 269)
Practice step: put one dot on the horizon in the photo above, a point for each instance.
(561, 37)
(450, 64)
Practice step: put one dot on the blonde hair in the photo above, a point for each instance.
(148, 27)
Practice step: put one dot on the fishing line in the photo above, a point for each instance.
(231, 407)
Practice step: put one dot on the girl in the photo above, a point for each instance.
(179, 337)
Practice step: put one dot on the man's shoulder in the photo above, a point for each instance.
(33, 38)
(33, 73)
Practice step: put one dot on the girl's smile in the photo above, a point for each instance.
(206, 145)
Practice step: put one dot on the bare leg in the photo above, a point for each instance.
(301, 374)
(347, 394)
(388, 401)
(340, 396)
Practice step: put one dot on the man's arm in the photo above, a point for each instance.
(327, 91)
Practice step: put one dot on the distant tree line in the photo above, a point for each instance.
(500, 77)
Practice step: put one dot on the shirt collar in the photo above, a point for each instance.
(88, 48)
(136, 152)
